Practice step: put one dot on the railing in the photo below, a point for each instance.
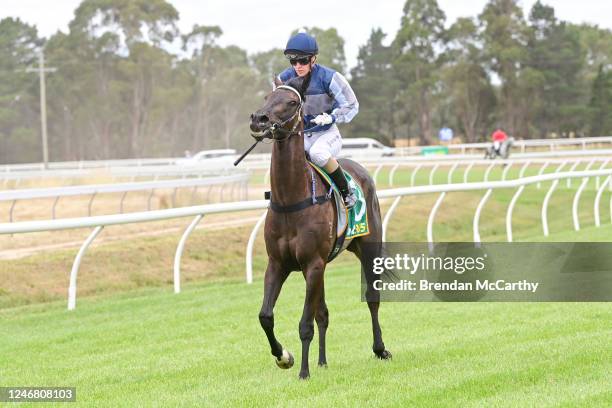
(463, 148)
(93, 190)
(99, 222)
(551, 144)
(560, 164)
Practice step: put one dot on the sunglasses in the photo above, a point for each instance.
(299, 60)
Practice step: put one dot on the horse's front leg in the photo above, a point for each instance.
(322, 318)
(273, 282)
(314, 292)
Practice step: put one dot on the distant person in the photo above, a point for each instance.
(330, 100)
(499, 137)
(445, 134)
(187, 153)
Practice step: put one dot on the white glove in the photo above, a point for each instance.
(323, 119)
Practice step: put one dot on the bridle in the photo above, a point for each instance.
(275, 129)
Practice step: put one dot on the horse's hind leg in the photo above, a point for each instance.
(322, 318)
(314, 288)
(273, 281)
(366, 254)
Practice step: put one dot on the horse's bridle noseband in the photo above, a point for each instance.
(271, 131)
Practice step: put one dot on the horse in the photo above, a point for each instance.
(300, 227)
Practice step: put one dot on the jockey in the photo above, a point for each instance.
(499, 137)
(329, 100)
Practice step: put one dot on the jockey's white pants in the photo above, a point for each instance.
(321, 146)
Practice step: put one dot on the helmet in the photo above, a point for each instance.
(302, 44)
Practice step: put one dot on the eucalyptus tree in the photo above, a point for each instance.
(19, 120)
(418, 48)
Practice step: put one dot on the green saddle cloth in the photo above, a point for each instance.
(351, 223)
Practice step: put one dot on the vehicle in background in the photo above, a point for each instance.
(224, 157)
(364, 147)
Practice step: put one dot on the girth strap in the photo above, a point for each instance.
(312, 200)
(299, 206)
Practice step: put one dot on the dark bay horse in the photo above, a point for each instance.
(299, 235)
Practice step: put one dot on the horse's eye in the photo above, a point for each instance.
(292, 103)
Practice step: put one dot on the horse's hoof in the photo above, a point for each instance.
(304, 375)
(323, 365)
(383, 355)
(285, 361)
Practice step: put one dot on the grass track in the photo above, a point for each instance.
(205, 347)
(149, 347)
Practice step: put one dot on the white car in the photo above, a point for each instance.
(364, 148)
(223, 157)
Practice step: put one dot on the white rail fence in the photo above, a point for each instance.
(522, 145)
(453, 167)
(238, 182)
(259, 161)
(198, 212)
(153, 172)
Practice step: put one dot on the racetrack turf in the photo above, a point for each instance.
(205, 347)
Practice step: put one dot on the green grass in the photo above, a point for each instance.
(132, 342)
(205, 347)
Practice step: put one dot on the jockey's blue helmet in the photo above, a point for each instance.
(302, 44)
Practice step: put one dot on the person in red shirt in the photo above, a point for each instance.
(499, 137)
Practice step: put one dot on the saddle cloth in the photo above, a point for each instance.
(351, 223)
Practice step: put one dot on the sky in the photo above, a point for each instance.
(265, 24)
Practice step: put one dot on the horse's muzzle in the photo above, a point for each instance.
(260, 124)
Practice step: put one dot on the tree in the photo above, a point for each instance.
(601, 104)
(417, 48)
(472, 98)
(203, 40)
(19, 114)
(376, 89)
(504, 34)
(551, 77)
(269, 64)
(129, 31)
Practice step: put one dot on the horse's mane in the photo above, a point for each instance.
(300, 84)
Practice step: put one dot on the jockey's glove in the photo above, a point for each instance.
(324, 119)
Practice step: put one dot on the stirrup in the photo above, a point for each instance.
(350, 199)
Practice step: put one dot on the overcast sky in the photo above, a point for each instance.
(264, 24)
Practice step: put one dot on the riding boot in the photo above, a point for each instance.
(347, 193)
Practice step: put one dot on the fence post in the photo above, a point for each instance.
(392, 174)
(433, 171)
(467, 171)
(450, 173)
(413, 175)
(481, 204)
(544, 212)
(600, 191)
(585, 180)
(375, 176)
(430, 220)
(72, 288)
(541, 172)
(388, 217)
(509, 212)
(250, 244)
(487, 171)
(179, 252)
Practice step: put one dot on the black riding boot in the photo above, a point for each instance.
(340, 181)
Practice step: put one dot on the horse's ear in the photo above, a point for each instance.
(305, 83)
(276, 81)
